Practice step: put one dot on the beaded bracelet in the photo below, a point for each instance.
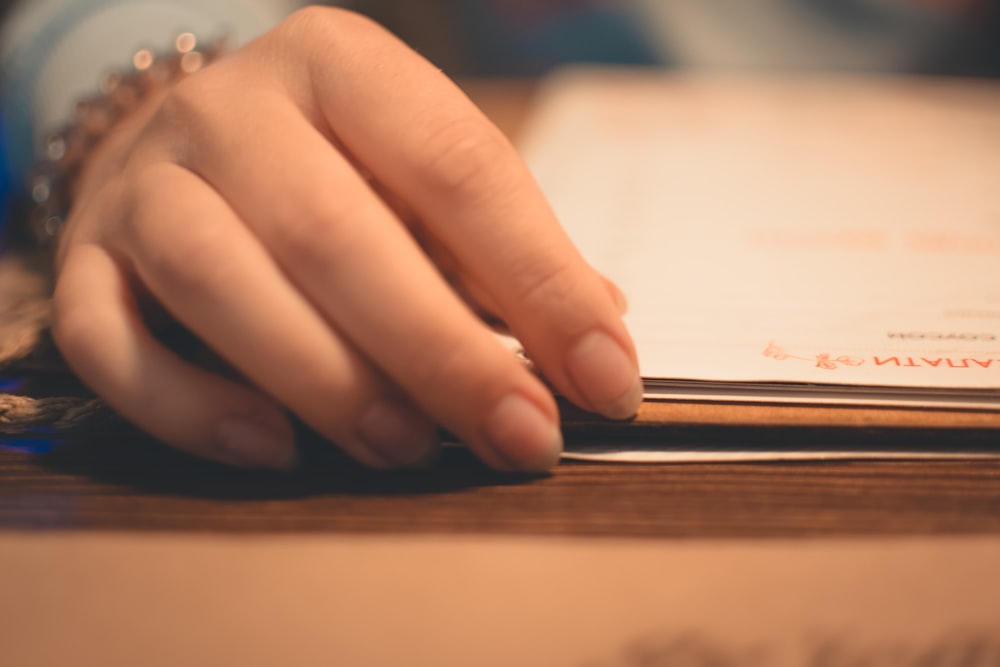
(51, 179)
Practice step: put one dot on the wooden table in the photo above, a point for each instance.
(115, 550)
(134, 484)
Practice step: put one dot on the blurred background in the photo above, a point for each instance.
(527, 37)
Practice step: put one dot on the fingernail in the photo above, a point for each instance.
(256, 446)
(523, 435)
(605, 375)
(398, 433)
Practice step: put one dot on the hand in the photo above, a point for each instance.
(272, 205)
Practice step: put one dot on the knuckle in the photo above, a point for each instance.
(197, 106)
(546, 286)
(185, 102)
(193, 261)
(317, 228)
(316, 21)
(307, 19)
(465, 157)
(196, 265)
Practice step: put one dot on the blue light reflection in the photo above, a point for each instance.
(38, 441)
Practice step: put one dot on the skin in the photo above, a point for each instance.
(330, 215)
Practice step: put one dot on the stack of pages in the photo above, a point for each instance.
(794, 240)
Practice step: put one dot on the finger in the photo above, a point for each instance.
(424, 140)
(200, 261)
(617, 295)
(356, 262)
(486, 306)
(99, 332)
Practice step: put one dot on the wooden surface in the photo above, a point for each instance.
(130, 483)
(120, 480)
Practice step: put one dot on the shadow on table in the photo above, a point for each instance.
(137, 463)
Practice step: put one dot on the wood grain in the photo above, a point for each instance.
(127, 482)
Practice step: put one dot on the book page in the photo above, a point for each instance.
(787, 238)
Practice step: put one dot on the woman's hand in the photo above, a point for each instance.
(328, 213)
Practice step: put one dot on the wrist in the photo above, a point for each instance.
(52, 52)
(122, 96)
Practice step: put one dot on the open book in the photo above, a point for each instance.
(799, 239)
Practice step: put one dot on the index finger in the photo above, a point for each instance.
(425, 141)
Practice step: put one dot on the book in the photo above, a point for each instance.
(788, 239)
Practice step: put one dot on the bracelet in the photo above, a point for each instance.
(51, 179)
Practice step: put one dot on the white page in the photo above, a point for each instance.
(809, 229)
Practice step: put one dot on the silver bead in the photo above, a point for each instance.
(52, 226)
(50, 185)
(41, 189)
(55, 147)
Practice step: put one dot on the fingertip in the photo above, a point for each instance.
(257, 443)
(605, 374)
(105, 340)
(398, 434)
(523, 435)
